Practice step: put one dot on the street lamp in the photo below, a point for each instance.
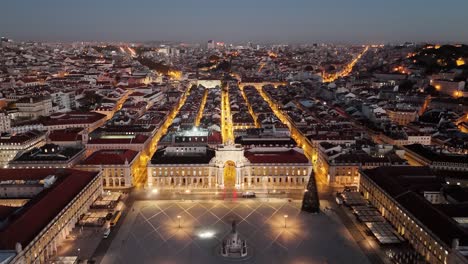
(178, 217)
(78, 253)
(285, 217)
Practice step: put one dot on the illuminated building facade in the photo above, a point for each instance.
(118, 166)
(433, 229)
(402, 117)
(436, 159)
(31, 232)
(11, 145)
(228, 166)
(341, 163)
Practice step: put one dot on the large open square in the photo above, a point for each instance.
(150, 233)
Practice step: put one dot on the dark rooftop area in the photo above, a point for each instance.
(49, 152)
(162, 157)
(406, 185)
(435, 156)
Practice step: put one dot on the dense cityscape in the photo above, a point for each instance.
(217, 152)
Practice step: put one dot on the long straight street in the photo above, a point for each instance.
(145, 156)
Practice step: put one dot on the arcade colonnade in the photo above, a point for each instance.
(213, 174)
(207, 176)
(44, 246)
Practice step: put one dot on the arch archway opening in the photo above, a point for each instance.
(229, 174)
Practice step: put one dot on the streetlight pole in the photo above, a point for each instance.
(78, 257)
(285, 217)
(178, 217)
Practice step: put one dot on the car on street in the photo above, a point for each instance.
(248, 195)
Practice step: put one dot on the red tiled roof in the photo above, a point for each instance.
(65, 135)
(74, 117)
(5, 211)
(290, 156)
(21, 138)
(24, 226)
(110, 157)
(137, 94)
(214, 137)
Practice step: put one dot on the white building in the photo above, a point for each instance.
(12, 145)
(34, 107)
(119, 167)
(5, 122)
(228, 166)
(64, 100)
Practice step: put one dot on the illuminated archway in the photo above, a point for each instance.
(229, 174)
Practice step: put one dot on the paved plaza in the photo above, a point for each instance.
(150, 233)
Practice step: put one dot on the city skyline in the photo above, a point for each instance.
(218, 132)
(262, 21)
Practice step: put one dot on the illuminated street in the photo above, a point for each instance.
(151, 233)
(346, 69)
(202, 107)
(226, 117)
(141, 173)
(251, 111)
(297, 135)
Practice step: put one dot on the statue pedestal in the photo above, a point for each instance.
(233, 246)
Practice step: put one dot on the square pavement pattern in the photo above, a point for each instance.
(150, 233)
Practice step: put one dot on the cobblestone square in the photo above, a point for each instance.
(150, 233)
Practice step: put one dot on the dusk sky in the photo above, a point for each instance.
(358, 21)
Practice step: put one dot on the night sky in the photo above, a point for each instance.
(294, 21)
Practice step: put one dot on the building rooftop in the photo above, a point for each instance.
(74, 117)
(33, 100)
(71, 134)
(362, 158)
(435, 156)
(119, 139)
(127, 129)
(22, 226)
(48, 152)
(7, 139)
(406, 185)
(110, 157)
(162, 156)
(262, 140)
(275, 155)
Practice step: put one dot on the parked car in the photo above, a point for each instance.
(106, 233)
(248, 195)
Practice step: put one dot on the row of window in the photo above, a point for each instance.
(423, 243)
(113, 182)
(246, 180)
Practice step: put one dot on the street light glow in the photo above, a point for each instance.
(206, 234)
(178, 217)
